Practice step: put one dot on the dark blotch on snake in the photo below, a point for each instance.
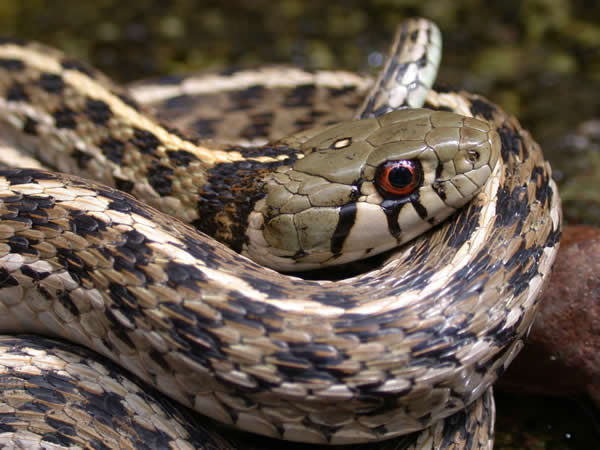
(461, 225)
(132, 256)
(83, 224)
(543, 190)
(125, 260)
(318, 354)
(45, 394)
(28, 204)
(124, 185)
(60, 382)
(34, 407)
(19, 244)
(30, 126)
(25, 176)
(247, 98)
(62, 426)
(553, 238)
(112, 148)
(12, 65)
(97, 111)
(34, 275)
(123, 202)
(512, 206)
(146, 141)
(201, 346)
(159, 177)
(6, 279)
(72, 263)
(183, 274)
(339, 92)
(105, 406)
(82, 159)
(302, 95)
(205, 127)
(259, 126)
(16, 93)
(182, 158)
(512, 143)
(45, 293)
(485, 109)
(51, 83)
(529, 261)
(64, 117)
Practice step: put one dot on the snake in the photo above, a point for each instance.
(154, 261)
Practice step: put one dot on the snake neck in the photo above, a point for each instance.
(232, 189)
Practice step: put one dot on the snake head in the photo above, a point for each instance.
(367, 186)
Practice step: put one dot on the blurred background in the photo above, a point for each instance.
(539, 59)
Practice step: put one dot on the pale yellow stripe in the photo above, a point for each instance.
(91, 88)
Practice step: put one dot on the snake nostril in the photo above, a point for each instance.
(473, 156)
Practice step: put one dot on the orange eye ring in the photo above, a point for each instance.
(398, 178)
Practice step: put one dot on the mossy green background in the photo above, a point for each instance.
(540, 59)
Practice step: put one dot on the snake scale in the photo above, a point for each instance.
(391, 351)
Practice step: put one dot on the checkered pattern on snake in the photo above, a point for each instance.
(388, 352)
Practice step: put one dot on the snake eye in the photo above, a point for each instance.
(398, 178)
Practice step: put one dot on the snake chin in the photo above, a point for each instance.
(325, 237)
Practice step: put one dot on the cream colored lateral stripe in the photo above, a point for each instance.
(269, 77)
(83, 83)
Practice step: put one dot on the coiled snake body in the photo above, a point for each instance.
(385, 353)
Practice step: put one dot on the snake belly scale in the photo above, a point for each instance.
(367, 358)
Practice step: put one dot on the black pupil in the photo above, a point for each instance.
(400, 177)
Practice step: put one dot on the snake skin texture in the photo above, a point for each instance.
(418, 338)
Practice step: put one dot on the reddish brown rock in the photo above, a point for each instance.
(562, 355)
